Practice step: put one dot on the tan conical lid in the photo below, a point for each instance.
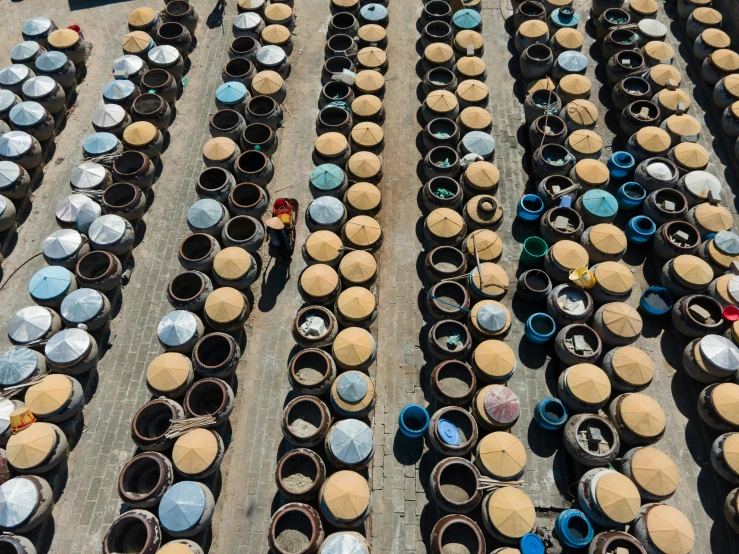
(642, 415)
(175, 548)
(671, 99)
(362, 230)
(582, 112)
(32, 446)
(713, 218)
(663, 73)
(482, 175)
(659, 50)
(358, 267)
(592, 172)
(707, 16)
(363, 196)
(644, 7)
(216, 149)
(607, 238)
(135, 42)
(232, 263)
(692, 270)
(725, 60)
(669, 530)
(277, 12)
(369, 81)
(617, 497)
(502, 454)
(224, 305)
(140, 133)
(633, 365)
(365, 165)
(356, 303)
(50, 395)
(319, 280)
(141, 16)
(489, 244)
(366, 105)
(569, 254)
(731, 452)
(544, 83)
(721, 259)
(731, 83)
(168, 371)
(372, 33)
(368, 134)
(654, 471)
(471, 66)
(438, 53)
(275, 34)
(653, 139)
(353, 346)
(475, 118)
(250, 5)
(588, 383)
(622, 320)
(588, 142)
(691, 155)
(500, 308)
(331, 144)
(472, 90)
(441, 101)
(490, 205)
(371, 56)
(353, 407)
(735, 108)
(533, 29)
(614, 277)
(492, 279)
(725, 399)
(323, 246)
(683, 125)
(267, 82)
(722, 283)
(444, 223)
(716, 38)
(346, 495)
(511, 512)
(344, 3)
(569, 38)
(473, 38)
(494, 358)
(63, 38)
(195, 451)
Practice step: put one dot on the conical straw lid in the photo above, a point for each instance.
(731, 83)
(364, 165)
(358, 267)
(353, 346)
(275, 34)
(366, 105)
(569, 38)
(622, 320)
(725, 60)
(224, 305)
(644, 7)
(168, 371)
(444, 223)
(472, 38)
(346, 495)
(691, 155)
(692, 270)
(331, 144)
(50, 395)
(141, 16)
(482, 175)
(582, 112)
(369, 81)
(323, 246)
(633, 365)
(195, 451)
(653, 139)
(232, 263)
(140, 133)
(707, 16)
(654, 471)
(267, 82)
(643, 415)
(489, 244)
(319, 280)
(608, 238)
(683, 125)
(592, 172)
(372, 33)
(175, 548)
(545, 83)
(511, 512)
(663, 73)
(588, 142)
(588, 383)
(371, 56)
(494, 358)
(363, 196)
(219, 148)
(277, 12)
(716, 38)
(491, 279)
(471, 66)
(356, 303)
(502, 454)
(725, 398)
(713, 218)
(472, 90)
(533, 28)
(367, 133)
(731, 452)
(438, 52)
(30, 447)
(63, 38)
(441, 101)
(136, 42)
(475, 118)
(617, 497)
(659, 50)
(614, 277)
(569, 254)
(670, 530)
(671, 99)
(362, 230)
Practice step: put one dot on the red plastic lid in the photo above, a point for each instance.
(731, 314)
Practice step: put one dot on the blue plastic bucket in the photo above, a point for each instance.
(630, 196)
(550, 414)
(656, 301)
(574, 529)
(531, 544)
(640, 229)
(413, 421)
(540, 328)
(530, 207)
(621, 165)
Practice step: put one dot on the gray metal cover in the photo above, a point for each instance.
(108, 229)
(720, 351)
(88, 176)
(164, 55)
(108, 115)
(68, 347)
(15, 144)
(478, 142)
(51, 61)
(29, 324)
(67, 208)
(25, 50)
(247, 21)
(727, 243)
(572, 61)
(7, 99)
(128, 64)
(62, 244)
(98, 144)
(18, 500)
(205, 213)
(326, 210)
(6, 408)
(373, 12)
(13, 74)
(352, 387)
(176, 328)
(651, 28)
(351, 441)
(9, 173)
(733, 289)
(17, 365)
(700, 183)
(120, 89)
(492, 317)
(343, 543)
(36, 26)
(86, 215)
(27, 114)
(82, 305)
(271, 55)
(3, 205)
(38, 87)
(182, 506)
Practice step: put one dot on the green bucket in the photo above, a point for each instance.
(534, 250)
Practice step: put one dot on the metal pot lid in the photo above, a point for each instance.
(182, 506)
(271, 55)
(164, 55)
(326, 210)
(128, 64)
(600, 203)
(88, 176)
(700, 183)
(86, 215)
(119, 89)
(68, 346)
(51, 61)
(82, 306)
(25, 50)
(572, 61)
(10, 172)
(50, 282)
(492, 317)
(27, 114)
(732, 288)
(351, 441)
(6, 408)
(477, 142)
(15, 144)
(29, 324)
(231, 92)
(38, 87)
(205, 213)
(720, 352)
(176, 328)
(17, 365)
(651, 28)
(3, 204)
(108, 115)
(726, 242)
(327, 177)
(13, 74)
(373, 12)
(98, 144)
(343, 543)
(108, 229)
(18, 501)
(247, 21)
(7, 99)
(36, 26)
(67, 208)
(352, 387)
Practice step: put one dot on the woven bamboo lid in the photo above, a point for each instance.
(500, 311)
(438, 53)
(722, 283)
(135, 42)
(232, 263)
(725, 398)
(683, 125)
(533, 29)
(367, 134)
(371, 57)
(663, 73)
(475, 118)
(669, 530)
(216, 149)
(354, 406)
(735, 108)
(362, 230)
(671, 99)
(731, 83)
(588, 383)
(659, 50)
(691, 155)
(653, 139)
(692, 270)
(494, 358)
(632, 365)
(617, 497)
(224, 305)
(716, 38)
(571, 39)
(323, 246)
(369, 81)
(544, 83)
(569, 254)
(713, 218)
(725, 60)
(343, 3)
(267, 82)
(582, 112)
(489, 245)
(707, 16)
(331, 144)
(588, 142)
(363, 196)
(444, 223)
(141, 133)
(723, 260)
(141, 17)
(277, 12)
(32, 446)
(175, 548)
(441, 101)
(356, 303)
(614, 277)
(731, 452)
(511, 512)
(491, 279)
(471, 66)
(482, 175)
(466, 38)
(319, 280)
(49, 395)
(607, 238)
(644, 7)
(353, 346)
(372, 33)
(622, 320)
(63, 38)
(642, 415)
(168, 371)
(654, 471)
(346, 495)
(195, 451)
(592, 172)
(472, 90)
(366, 105)
(365, 165)
(275, 34)
(358, 267)
(502, 454)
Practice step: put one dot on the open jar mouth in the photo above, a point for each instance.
(187, 286)
(196, 247)
(252, 162)
(240, 228)
(213, 350)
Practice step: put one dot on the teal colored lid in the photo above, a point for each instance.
(231, 92)
(50, 282)
(448, 432)
(565, 17)
(327, 177)
(600, 203)
(531, 544)
(466, 19)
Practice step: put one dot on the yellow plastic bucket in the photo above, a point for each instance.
(582, 277)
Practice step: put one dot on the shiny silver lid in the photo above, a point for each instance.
(36, 26)
(247, 21)
(7, 100)
(38, 87)
(62, 244)
(373, 12)
(177, 328)
(129, 64)
(733, 289)
(343, 543)
(7, 407)
(182, 506)
(477, 142)
(51, 61)
(88, 176)
(24, 51)
(271, 55)
(572, 61)
(727, 243)
(119, 89)
(352, 387)
(27, 114)
(67, 208)
(29, 324)
(17, 365)
(492, 318)
(13, 74)
(98, 144)
(651, 28)
(163, 55)
(10, 172)
(720, 352)
(86, 215)
(18, 501)
(15, 144)
(108, 229)
(205, 213)
(351, 441)
(326, 210)
(68, 347)
(700, 183)
(108, 115)
(3, 204)
(82, 306)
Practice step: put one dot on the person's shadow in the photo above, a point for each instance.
(273, 282)
(215, 18)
